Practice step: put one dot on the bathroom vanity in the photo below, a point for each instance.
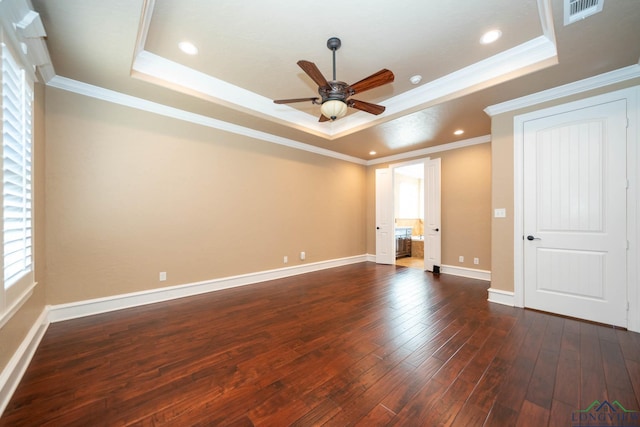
(403, 241)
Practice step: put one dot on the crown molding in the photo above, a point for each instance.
(119, 98)
(591, 83)
(431, 150)
(24, 34)
(155, 69)
(525, 58)
(96, 92)
(520, 60)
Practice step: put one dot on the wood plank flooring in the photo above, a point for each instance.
(413, 262)
(361, 345)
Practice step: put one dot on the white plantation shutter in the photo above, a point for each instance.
(17, 99)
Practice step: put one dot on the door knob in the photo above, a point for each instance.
(436, 229)
(530, 237)
(377, 228)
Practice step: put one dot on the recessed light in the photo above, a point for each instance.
(490, 36)
(415, 79)
(188, 48)
(458, 132)
(372, 153)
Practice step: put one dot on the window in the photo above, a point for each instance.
(17, 115)
(16, 170)
(408, 200)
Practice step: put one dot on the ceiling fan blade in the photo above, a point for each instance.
(380, 78)
(313, 72)
(323, 118)
(289, 101)
(366, 106)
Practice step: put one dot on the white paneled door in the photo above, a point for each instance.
(385, 221)
(575, 238)
(432, 223)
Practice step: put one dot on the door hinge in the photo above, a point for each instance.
(627, 305)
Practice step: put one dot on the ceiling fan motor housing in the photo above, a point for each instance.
(336, 90)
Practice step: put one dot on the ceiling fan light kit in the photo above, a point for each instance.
(333, 109)
(334, 94)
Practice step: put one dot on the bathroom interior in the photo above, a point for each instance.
(408, 199)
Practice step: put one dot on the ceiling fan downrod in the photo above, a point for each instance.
(334, 44)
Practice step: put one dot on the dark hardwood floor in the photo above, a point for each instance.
(364, 344)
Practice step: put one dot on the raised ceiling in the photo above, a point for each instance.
(248, 52)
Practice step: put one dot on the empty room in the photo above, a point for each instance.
(269, 213)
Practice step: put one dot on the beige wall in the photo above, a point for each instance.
(502, 237)
(466, 206)
(14, 332)
(502, 197)
(131, 194)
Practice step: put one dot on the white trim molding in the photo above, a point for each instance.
(112, 96)
(501, 297)
(78, 309)
(470, 273)
(25, 33)
(531, 55)
(431, 150)
(14, 370)
(591, 83)
(633, 218)
(13, 309)
(108, 95)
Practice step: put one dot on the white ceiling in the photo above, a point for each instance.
(248, 52)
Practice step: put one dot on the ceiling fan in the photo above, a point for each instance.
(334, 94)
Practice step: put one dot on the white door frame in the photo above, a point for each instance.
(631, 95)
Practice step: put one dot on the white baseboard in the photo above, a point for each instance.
(501, 297)
(12, 373)
(77, 309)
(471, 273)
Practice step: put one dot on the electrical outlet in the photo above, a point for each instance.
(163, 276)
(286, 259)
(460, 258)
(303, 255)
(476, 261)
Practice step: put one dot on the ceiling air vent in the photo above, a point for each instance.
(575, 10)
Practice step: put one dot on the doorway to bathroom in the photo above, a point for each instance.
(408, 214)
(408, 209)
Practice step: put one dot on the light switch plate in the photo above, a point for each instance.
(500, 213)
